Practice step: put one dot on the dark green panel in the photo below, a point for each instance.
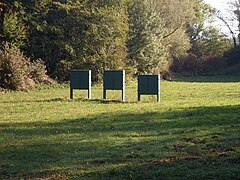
(142, 84)
(148, 84)
(114, 80)
(153, 84)
(80, 79)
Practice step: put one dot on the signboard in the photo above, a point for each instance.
(114, 80)
(80, 79)
(149, 85)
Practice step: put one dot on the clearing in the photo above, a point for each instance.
(193, 133)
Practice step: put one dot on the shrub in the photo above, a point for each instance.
(190, 65)
(17, 72)
(213, 63)
(233, 56)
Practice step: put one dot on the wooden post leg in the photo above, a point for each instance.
(89, 93)
(139, 96)
(104, 93)
(123, 86)
(89, 84)
(71, 93)
(158, 97)
(123, 95)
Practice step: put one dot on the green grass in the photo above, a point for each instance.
(193, 133)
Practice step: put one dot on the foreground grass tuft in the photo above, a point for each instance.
(192, 133)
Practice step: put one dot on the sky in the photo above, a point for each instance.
(224, 7)
(219, 4)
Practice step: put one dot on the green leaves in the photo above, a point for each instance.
(146, 51)
(85, 34)
(143, 36)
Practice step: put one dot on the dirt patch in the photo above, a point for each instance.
(190, 139)
(175, 146)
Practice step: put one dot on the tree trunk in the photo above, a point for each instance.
(234, 41)
(232, 33)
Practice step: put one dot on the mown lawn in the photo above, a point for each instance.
(193, 133)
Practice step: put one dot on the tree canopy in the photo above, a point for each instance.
(143, 36)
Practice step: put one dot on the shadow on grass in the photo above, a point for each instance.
(195, 142)
(208, 79)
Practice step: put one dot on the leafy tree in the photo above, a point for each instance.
(14, 29)
(175, 26)
(146, 51)
(79, 34)
(233, 55)
(2, 11)
(234, 18)
(196, 28)
(214, 42)
(12, 25)
(107, 34)
(220, 16)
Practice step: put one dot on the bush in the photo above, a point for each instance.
(190, 65)
(17, 72)
(213, 63)
(233, 56)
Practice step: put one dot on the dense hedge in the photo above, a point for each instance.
(192, 65)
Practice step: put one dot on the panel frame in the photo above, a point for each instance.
(114, 80)
(81, 80)
(149, 85)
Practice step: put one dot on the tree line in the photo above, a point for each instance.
(141, 36)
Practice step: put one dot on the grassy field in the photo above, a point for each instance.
(193, 133)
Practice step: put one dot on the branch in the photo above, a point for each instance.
(225, 22)
(171, 33)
